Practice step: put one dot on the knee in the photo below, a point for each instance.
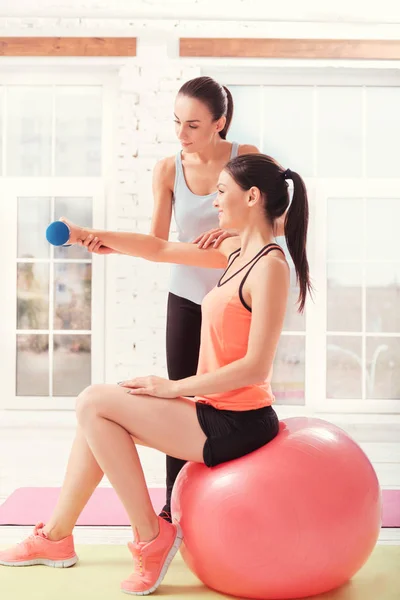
(88, 404)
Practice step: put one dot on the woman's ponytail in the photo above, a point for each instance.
(296, 224)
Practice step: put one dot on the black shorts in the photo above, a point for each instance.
(232, 434)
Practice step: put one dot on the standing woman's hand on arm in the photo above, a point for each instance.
(214, 237)
(78, 235)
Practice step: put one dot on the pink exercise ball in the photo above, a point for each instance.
(295, 518)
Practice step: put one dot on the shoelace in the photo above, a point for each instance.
(137, 558)
(38, 531)
(137, 554)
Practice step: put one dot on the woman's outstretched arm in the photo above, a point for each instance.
(152, 248)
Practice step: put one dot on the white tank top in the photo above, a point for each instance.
(194, 215)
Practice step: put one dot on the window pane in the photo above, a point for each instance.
(339, 132)
(33, 218)
(78, 131)
(344, 297)
(343, 375)
(33, 296)
(288, 126)
(383, 368)
(344, 228)
(382, 236)
(383, 298)
(78, 210)
(32, 365)
(29, 126)
(294, 321)
(246, 121)
(71, 364)
(383, 131)
(289, 372)
(72, 296)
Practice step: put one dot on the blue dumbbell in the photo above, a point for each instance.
(57, 233)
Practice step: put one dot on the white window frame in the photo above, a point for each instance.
(292, 73)
(317, 312)
(100, 189)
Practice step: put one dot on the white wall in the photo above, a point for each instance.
(386, 11)
(342, 18)
(145, 134)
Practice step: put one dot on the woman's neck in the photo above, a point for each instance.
(211, 153)
(253, 238)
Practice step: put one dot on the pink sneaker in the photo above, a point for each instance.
(37, 549)
(152, 559)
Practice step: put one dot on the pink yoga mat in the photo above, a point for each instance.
(391, 508)
(28, 506)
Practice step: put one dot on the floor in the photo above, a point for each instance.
(98, 574)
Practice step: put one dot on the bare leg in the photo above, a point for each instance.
(82, 476)
(120, 460)
(110, 417)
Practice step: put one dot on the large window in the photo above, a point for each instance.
(55, 140)
(359, 302)
(339, 129)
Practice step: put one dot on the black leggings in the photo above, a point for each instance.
(183, 345)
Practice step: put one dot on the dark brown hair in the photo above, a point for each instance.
(263, 172)
(216, 97)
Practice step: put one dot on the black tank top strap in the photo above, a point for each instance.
(266, 251)
(235, 254)
(255, 258)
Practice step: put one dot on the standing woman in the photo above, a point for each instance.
(187, 185)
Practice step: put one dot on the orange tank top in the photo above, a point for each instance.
(225, 329)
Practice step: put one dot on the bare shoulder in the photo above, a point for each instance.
(229, 245)
(268, 281)
(273, 265)
(247, 149)
(164, 171)
(275, 259)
